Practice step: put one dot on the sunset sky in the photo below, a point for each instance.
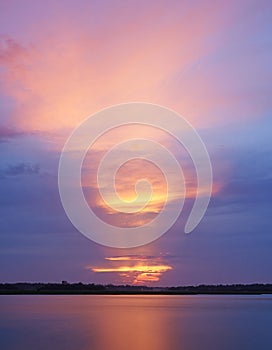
(210, 61)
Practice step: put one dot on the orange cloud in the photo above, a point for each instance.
(137, 270)
(128, 258)
(132, 171)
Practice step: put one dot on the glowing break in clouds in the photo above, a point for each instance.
(135, 269)
(85, 135)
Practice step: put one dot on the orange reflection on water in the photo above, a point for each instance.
(87, 322)
(132, 323)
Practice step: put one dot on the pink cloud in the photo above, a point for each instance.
(162, 55)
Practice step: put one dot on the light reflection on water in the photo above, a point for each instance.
(135, 322)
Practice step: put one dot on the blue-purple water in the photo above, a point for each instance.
(136, 322)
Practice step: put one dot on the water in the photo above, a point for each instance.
(135, 322)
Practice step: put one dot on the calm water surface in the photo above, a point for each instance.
(136, 322)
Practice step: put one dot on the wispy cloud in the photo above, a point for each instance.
(7, 133)
(20, 169)
(185, 58)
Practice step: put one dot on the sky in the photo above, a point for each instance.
(209, 61)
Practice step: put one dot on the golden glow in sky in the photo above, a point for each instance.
(135, 269)
(209, 61)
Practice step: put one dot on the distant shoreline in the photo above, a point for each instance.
(66, 288)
